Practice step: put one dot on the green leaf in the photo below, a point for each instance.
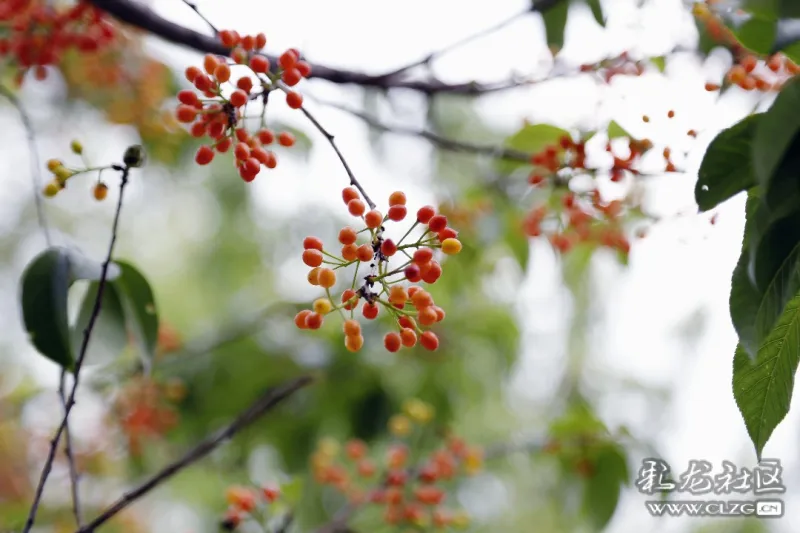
(109, 336)
(776, 131)
(597, 11)
(787, 36)
(292, 492)
(757, 34)
(745, 299)
(763, 388)
(615, 131)
(727, 167)
(531, 139)
(660, 62)
(555, 23)
(603, 489)
(44, 289)
(141, 313)
(766, 8)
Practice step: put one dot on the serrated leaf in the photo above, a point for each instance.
(141, 312)
(763, 388)
(603, 488)
(727, 167)
(597, 11)
(555, 23)
(615, 131)
(109, 337)
(44, 289)
(531, 139)
(776, 131)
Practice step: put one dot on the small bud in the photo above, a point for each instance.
(76, 147)
(51, 189)
(53, 164)
(134, 156)
(62, 174)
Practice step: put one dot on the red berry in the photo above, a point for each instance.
(429, 341)
(238, 98)
(425, 214)
(373, 219)
(204, 155)
(437, 223)
(392, 341)
(291, 76)
(266, 136)
(294, 100)
(259, 64)
(422, 256)
(356, 207)
(287, 59)
(312, 257)
(349, 193)
(347, 235)
(413, 273)
(369, 310)
(286, 139)
(365, 253)
(397, 198)
(348, 295)
(397, 213)
(304, 68)
(388, 248)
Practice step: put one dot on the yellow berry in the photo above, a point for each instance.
(327, 278)
(76, 147)
(51, 189)
(461, 520)
(418, 411)
(451, 246)
(100, 191)
(399, 426)
(63, 173)
(323, 306)
(53, 164)
(328, 447)
(473, 461)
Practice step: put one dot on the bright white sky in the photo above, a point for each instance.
(679, 277)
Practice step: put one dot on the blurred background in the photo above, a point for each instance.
(644, 347)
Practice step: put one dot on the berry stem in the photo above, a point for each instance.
(414, 225)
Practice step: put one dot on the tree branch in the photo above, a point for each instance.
(73, 471)
(262, 405)
(142, 17)
(87, 333)
(441, 142)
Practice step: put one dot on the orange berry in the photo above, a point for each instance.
(645, 118)
(347, 235)
(373, 219)
(422, 256)
(312, 243)
(429, 341)
(245, 84)
(312, 258)
(350, 252)
(670, 114)
(392, 342)
(100, 191)
(327, 278)
(270, 493)
(291, 76)
(210, 63)
(354, 343)
(192, 73)
(398, 295)
(408, 337)
(313, 276)
(222, 72)
(241, 151)
(304, 68)
(351, 327)
(437, 223)
(737, 74)
(286, 139)
(287, 59)
(185, 113)
(355, 448)
(388, 248)
(347, 296)
(749, 63)
(421, 298)
(349, 193)
(427, 316)
(356, 207)
(397, 198)
(300, 319)
(451, 246)
(365, 253)
(432, 273)
(440, 314)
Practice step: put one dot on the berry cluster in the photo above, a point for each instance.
(144, 409)
(248, 502)
(407, 495)
(219, 114)
(133, 157)
(382, 286)
(621, 65)
(38, 33)
(748, 72)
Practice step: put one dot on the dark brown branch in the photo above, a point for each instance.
(353, 181)
(210, 24)
(262, 405)
(36, 174)
(87, 333)
(142, 17)
(73, 470)
(437, 140)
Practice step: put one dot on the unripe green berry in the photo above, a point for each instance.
(77, 147)
(63, 174)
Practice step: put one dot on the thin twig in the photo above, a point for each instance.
(210, 24)
(87, 333)
(68, 451)
(437, 140)
(332, 142)
(36, 175)
(427, 60)
(262, 405)
(140, 16)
